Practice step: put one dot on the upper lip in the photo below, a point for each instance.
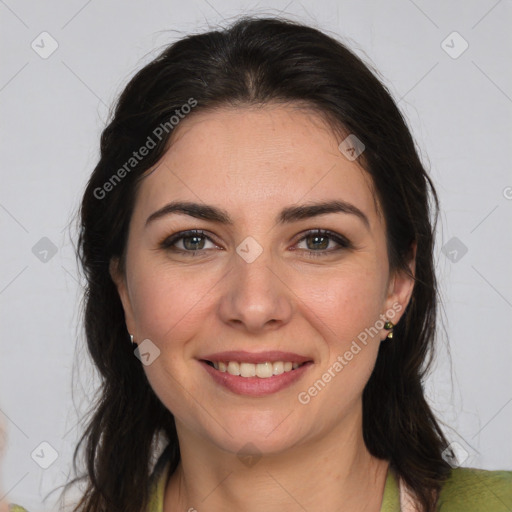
(256, 357)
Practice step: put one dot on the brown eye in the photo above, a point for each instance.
(318, 241)
(187, 242)
(315, 242)
(193, 242)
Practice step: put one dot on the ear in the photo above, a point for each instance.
(122, 289)
(400, 288)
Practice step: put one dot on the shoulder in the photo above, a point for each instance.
(476, 490)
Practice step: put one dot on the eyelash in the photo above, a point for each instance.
(343, 243)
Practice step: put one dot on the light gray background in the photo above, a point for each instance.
(53, 110)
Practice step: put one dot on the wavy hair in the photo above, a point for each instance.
(255, 61)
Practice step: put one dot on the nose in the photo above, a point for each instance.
(255, 297)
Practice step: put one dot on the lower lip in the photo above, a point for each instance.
(255, 386)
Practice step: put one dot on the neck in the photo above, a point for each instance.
(334, 472)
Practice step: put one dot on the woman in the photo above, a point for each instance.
(261, 296)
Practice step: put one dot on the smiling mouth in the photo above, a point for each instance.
(262, 370)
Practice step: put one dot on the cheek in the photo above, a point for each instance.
(167, 303)
(344, 303)
(345, 309)
(169, 309)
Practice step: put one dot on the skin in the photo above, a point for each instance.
(252, 162)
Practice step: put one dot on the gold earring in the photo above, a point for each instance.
(389, 327)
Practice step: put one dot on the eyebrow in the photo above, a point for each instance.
(287, 215)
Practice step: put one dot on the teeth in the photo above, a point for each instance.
(264, 370)
(233, 368)
(247, 370)
(278, 368)
(261, 370)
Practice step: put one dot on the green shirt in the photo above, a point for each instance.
(466, 490)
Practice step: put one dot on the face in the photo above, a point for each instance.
(265, 279)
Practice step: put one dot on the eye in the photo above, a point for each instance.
(188, 242)
(318, 241)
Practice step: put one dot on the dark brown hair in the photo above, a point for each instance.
(255, 62)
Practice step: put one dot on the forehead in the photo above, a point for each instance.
(254, 160)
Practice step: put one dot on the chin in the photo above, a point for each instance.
(255, 444)
(268, 434)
